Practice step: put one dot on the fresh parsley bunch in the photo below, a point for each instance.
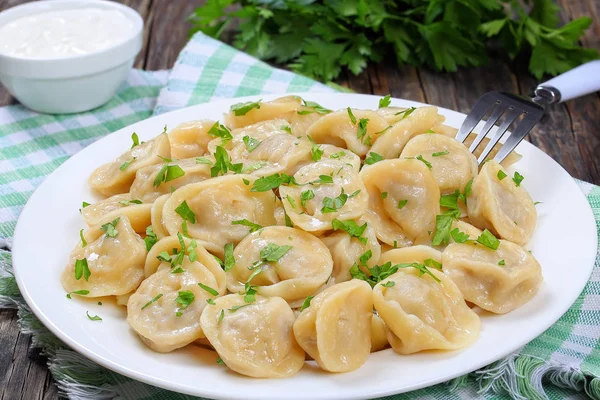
(319, 38)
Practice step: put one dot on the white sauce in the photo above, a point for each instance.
(64, 33)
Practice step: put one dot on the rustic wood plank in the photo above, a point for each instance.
(169, 32)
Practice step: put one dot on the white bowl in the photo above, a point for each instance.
(70, 84)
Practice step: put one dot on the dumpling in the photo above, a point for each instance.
(280, 261)
(254, 339)
(111, 262)
(165, 310)
(211, 208)
(501, 206)
(190, 139)
(172, 246)
(155, 180)
(403, 200)
(423, 311)
(156, 216)
(496, 280)
(391, 142)
(122, 299)
(379, 339)
(512, 157)
(265, 148)
(346, 249)
(349, 129)
(462, 226)
(407, 255)
(452, 165)
(282, 108)
(335, 329)
(120, 204)
(327, 190)
(117, 176)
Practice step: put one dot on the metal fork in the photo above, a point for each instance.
(577, 82)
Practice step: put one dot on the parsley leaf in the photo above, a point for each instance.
(450, 200)
(443, 225)
(93, 318)
(334, 204)
(78, 293)
(129, 202)
(273, 252)
(353, 229)
(305, 196)
(208, 289)
(401, 204)
(124, 166)
(501, 263)
(362, 131)
(229, 261)
(184, 299)
(488, 239)
(440, 153)
(223, 163)
(351, 116)
(501, 175)
(110, 227)
(203, 160)
(253, 227)
(463, 196)
(135, 139)
(83, 241)
(251, 143)
(518, 178)
(388, 284)
(151, 238)
(458, 236)
(420, 158)
(243, 108)
(385, 101)
(154, 300)
(373, 158)
(306, 303)
(406, 112)
(315, 106)
(186, 212)
(168, 173)
(338, 155)
(316, 152)
(270, 182)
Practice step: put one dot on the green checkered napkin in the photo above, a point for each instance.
(564, 362)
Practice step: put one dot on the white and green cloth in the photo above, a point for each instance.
(564, 362)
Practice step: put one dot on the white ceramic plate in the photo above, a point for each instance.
(564, 243)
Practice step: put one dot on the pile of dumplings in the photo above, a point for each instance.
(292, 232)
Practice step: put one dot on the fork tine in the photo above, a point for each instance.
(517, 135)
(497, 112)
(480, 108)
(511, 115)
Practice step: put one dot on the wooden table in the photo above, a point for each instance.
(570, 133)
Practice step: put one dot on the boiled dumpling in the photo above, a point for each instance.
(379, 339)
(280, 261)
(327, 190)
(391, 142)
(172, 246)
(452, 165)
(211, 208)
(423, 311)
(156, 216)
(120, 204)
(348, 129)
(346, 249)
(254, 339)
(153, 181)
(110, 263)
(496, 280)
(165, 310)
(403, 200)
(501, 206)
(117, 176)
(335, 329)
(282, 108)
(190, 139)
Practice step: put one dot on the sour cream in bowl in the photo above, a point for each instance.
(66, 56)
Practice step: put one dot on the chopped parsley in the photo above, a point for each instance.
(501, 263)
(422, 268)
(463, 196)
(458, 236)
(186, 212)
(402, 203)
(384, 195)
(84, 204)
(250, 293)
(306, 303)
(334, 204)
(351, 115)
(223, 163)
(129, 202)
(110, 228)
(93, 318)
(291, 201)
(518, 178)
(450, 200)
(78, 293)
(158, 296)
(385, 101)
(323, 179)
(151, 238)
(406, 112)
(229, 262)
(270, 182)
(488, 239)
(203, 160)
(135, 139)
(168, 173)
(253, 167)
(388, 284)
(440, 153)
(286, 128)
(353, 229)
(338, 155)
(273, 252)
(83, 241)
(126, 164)
(253, 227)
(501, 175)
(305, 196)
(420, 158)
(184, 299)
(315, 106)
(208, 289)
(362, 131)
(443, 226)
(373, 158)
(240, 109)
(251, 143)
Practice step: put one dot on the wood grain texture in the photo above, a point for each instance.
(570, 133)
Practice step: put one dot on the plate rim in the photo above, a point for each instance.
(166, 384)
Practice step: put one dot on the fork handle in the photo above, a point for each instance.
(577, 82)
